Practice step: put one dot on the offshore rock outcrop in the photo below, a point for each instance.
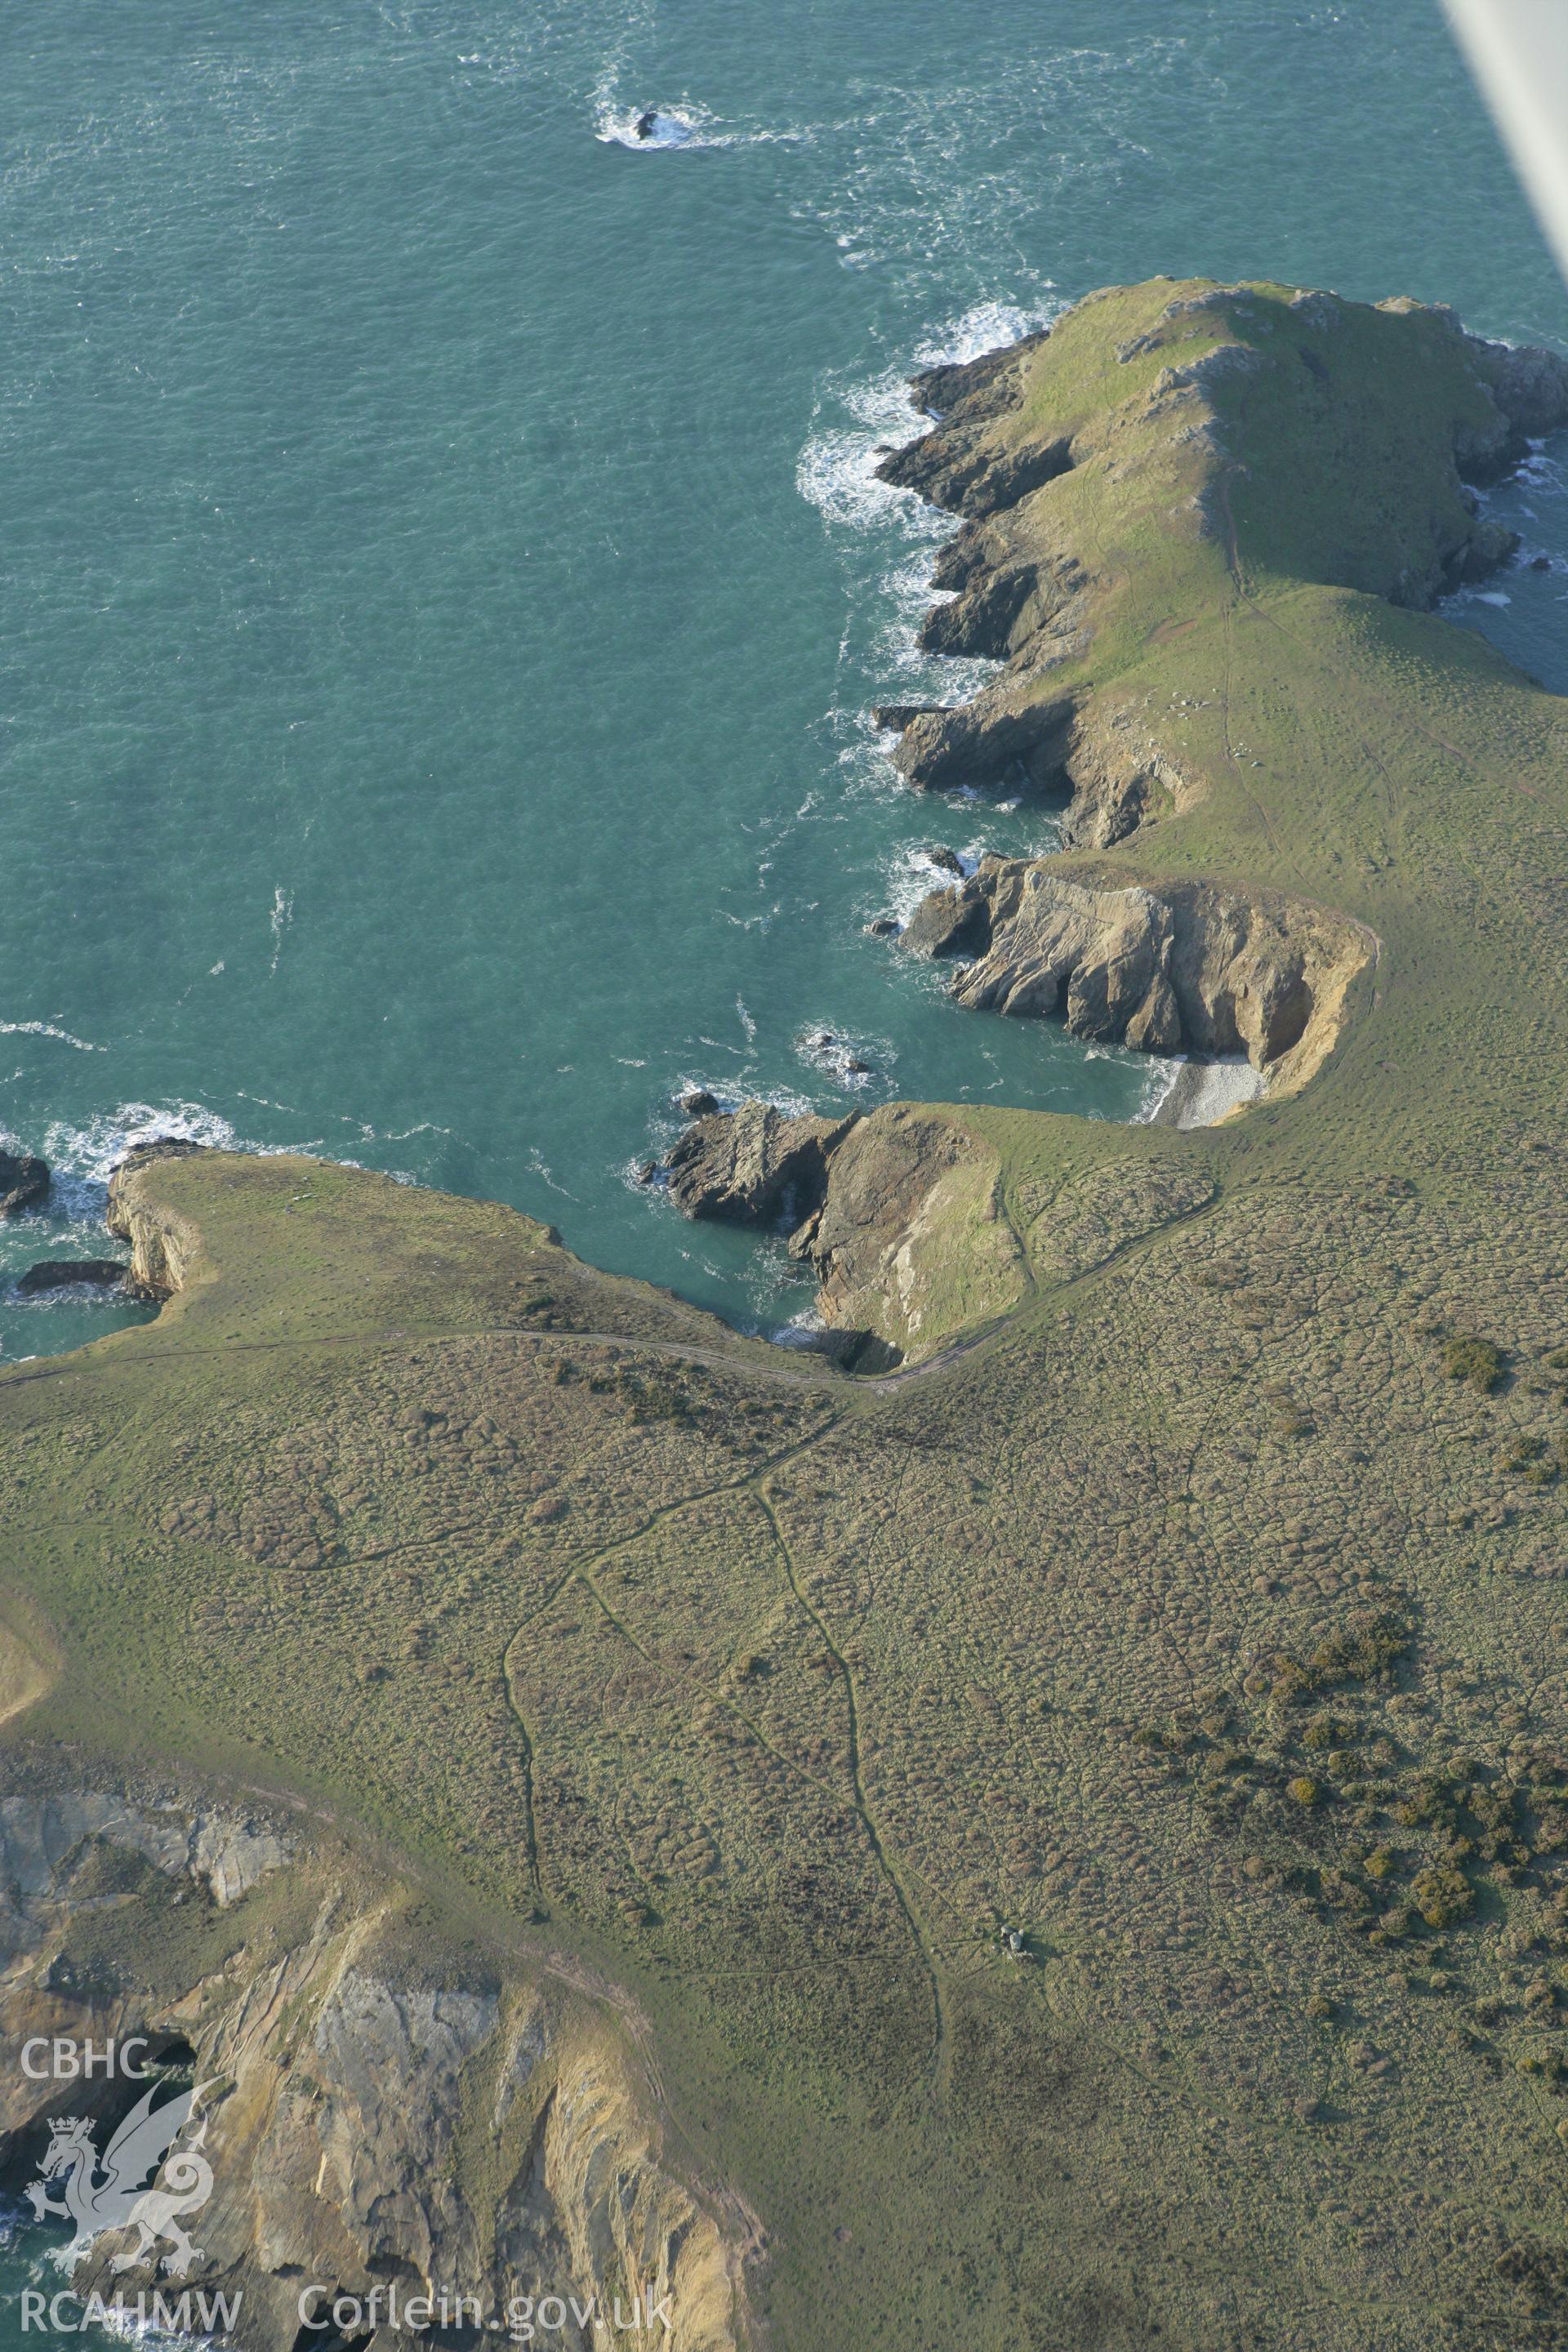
(1186, 968)
(24, 1182)
(381, 2108)
(70, 1273)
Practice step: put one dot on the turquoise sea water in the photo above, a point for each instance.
(444, 578)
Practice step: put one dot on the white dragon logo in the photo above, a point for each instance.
(118, 2200)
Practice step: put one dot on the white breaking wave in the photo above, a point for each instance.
(837, 470)
(887, 538)
(539, 1167)
(849, 1061)
(281, 917)
(914, 874)
(1541, 471)
(1164, 1071)
(986, 327)
(92, 1150)
(48, 1029)
(804, 1330)
(82, 1158)
(620, 130)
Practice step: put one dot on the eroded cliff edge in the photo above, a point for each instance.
(899, 1214)
(1190, 1629)
(383, 2105)
(1185, 968)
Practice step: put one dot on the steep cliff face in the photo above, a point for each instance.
(382, 2107)
(164, 1246)
(1184, 968)
(899, 1214)
(910, 1240)
(960, 466)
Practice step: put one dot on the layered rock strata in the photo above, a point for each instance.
(1186, 968)
(755, 1167)
(164, 1246)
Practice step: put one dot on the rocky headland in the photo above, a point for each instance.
(1030, 581)
(1187, 968)
(1115, 474)
(164, 1245)
(898, 1213)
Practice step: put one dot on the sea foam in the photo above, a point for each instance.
(684, 124)
(887, 539)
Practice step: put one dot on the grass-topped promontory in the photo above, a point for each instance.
(1202, 1623)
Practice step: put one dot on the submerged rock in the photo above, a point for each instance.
(71, 1273)
(697, 1102)
(24, 1181)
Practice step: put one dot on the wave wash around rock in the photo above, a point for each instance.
(1064, 1843)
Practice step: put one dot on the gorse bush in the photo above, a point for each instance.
(1466, 1357)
